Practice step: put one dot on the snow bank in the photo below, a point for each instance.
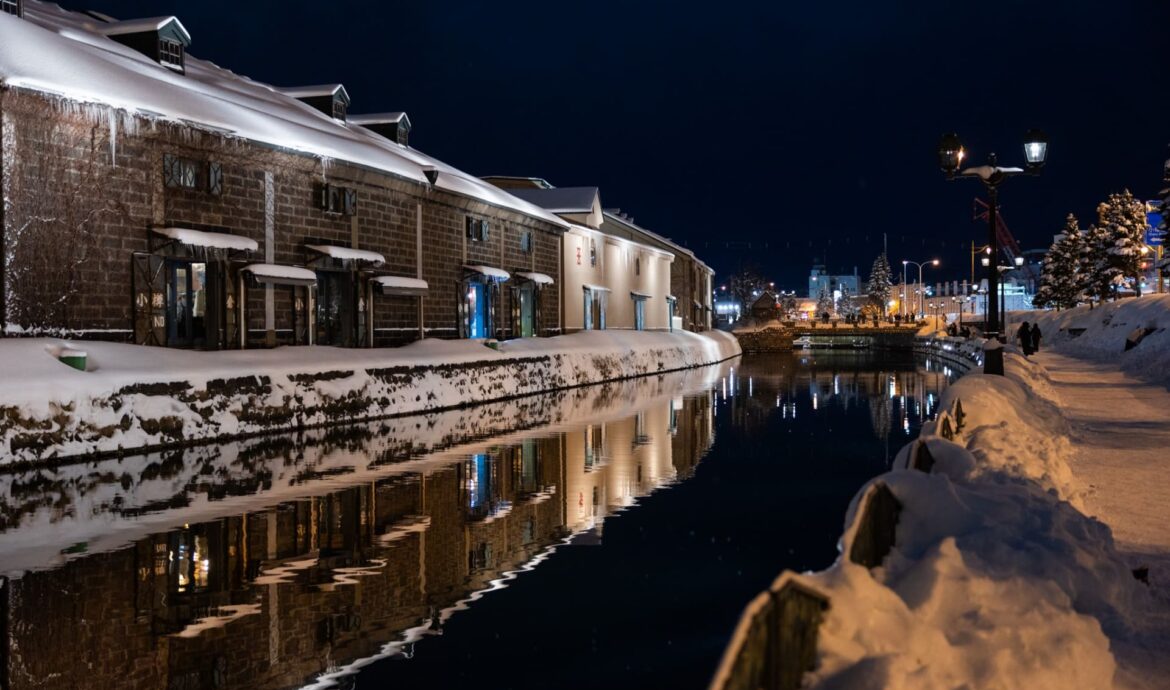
(140, 397)
(1101, 333)
(996, 577)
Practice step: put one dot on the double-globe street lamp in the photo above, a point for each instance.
(921, 291)
(951, 155)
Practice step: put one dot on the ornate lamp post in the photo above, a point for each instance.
(951, 155)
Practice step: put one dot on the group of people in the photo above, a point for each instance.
(1029, 337)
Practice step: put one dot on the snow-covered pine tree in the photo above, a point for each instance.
(1098, 273)
(1060, 282)
(824, 304)
(1124, 219)
(878, 288)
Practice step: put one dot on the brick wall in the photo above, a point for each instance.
(104, 189)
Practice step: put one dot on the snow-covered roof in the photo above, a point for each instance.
(281, 275)
(490, 272)
(316, 91)
(138, 26)
(538, 278)
(210, 240)
(65, 54)
(560, 199)
(399, 285)
(347, 253)
(378, 119)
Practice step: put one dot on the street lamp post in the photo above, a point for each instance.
(932, 262)
(951, 155)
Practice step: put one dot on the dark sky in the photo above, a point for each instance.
(770, 132)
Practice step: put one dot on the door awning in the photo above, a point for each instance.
(489, 272)
(398, 285)
(347, 253)
(209, 240)
(538, 278)
(639, 295)
(595, 288)
(275, 274)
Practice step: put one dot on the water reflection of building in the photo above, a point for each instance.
(275, 597)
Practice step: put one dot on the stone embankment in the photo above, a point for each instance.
(132, 399)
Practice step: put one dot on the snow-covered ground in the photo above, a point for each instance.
(134, 397)
(999, 577)
(1014, 559)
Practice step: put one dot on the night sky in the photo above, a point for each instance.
(770, 132)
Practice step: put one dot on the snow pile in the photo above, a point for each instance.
(1000, 586)
(996, 577)
(1101, 333)
(137, 397)
(1014, 429)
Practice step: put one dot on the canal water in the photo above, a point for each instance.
(604, 536)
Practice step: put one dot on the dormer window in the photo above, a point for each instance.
(11, 7)
(330, 99)
(170, 53)
(392, 126)
(162, 39)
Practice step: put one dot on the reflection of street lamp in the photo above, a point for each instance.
(951, 155)
(932, 262)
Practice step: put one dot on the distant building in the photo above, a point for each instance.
(838, 286)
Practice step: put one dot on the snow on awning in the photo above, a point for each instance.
(489, 272)
(639, 295)
(671, 298)
(398, 285)
(538, 278)
(275, 274)
(210, 240)
(347, 253)
(595, 288)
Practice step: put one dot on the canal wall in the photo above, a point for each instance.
(964, 355)
(134, 399)
(974, 553)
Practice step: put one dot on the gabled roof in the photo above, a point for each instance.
(379, 119)
(561, 199)
(65, 55)
(140, 26)
(316, 91)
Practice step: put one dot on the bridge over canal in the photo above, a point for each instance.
(784, 337)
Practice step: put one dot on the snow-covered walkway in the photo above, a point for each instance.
(1121, 442)
(1120, 429)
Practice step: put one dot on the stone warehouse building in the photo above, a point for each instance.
(607, 257)
(153, 198)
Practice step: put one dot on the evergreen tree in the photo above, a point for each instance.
(1123, 219)
(878, 288)
(825, 303)
(1098, 274)
(1061, 281)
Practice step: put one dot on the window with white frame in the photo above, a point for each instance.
(170, 53)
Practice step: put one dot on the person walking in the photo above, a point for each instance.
(1036, 338)
(1024, 335)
